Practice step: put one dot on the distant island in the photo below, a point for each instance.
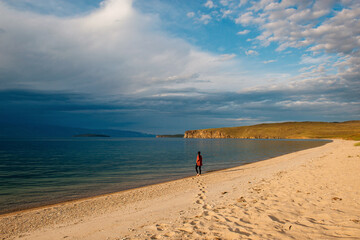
(349, 130)
(91, 135)
(171, 136)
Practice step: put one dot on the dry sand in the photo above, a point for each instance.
(310, 194)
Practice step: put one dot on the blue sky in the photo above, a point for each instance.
(166, 66)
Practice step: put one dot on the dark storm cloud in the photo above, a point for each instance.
(189, 108)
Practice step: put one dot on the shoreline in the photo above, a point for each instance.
(87, 196)
(76, 199)
(145, 206)
(16, 212)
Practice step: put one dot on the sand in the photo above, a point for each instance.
(310, 194)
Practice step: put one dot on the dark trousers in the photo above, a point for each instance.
(196, 168)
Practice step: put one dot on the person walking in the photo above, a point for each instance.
(198, 164)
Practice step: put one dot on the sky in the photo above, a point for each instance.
(167, 66)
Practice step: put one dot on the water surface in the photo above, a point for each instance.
(35, 172)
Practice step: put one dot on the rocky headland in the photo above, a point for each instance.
(288, 130)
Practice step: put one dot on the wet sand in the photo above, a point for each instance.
(310, 194)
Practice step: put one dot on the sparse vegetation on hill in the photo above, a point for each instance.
(288, 130)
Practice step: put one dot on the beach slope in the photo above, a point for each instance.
(310, 194)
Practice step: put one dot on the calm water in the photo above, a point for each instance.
(36, 172)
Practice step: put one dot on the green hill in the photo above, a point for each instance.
(287, 130)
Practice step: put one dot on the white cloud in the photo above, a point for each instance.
(306, 59)
(251, 53)
(306, 69)
(299, 26)
(245, 18)
(209, 4)
(225, 13)
(226, 57)
(224, 2)
(241, 119)
(330, 37)
(190, 14)
(110, 51)
(205, 18)
(244, 32)
(242, 3)
(269, 61)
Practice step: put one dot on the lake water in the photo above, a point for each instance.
(35, 172)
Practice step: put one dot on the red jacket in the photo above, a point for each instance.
(199, 160)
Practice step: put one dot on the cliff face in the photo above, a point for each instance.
(206, 134)
(219, 134)
(286, 130)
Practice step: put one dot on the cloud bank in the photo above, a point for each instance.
(112, 50)
(116, 67)
(327, 31)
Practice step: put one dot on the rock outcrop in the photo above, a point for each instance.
(206, 134)
(286, 130)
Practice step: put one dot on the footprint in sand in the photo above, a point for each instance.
(168, 235)
(275, 219)
(161, 227)
(201, 195)
(206, 206)
(186, 229)
(155, 237)
(199, 201)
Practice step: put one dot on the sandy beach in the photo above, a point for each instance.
(310, 194)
